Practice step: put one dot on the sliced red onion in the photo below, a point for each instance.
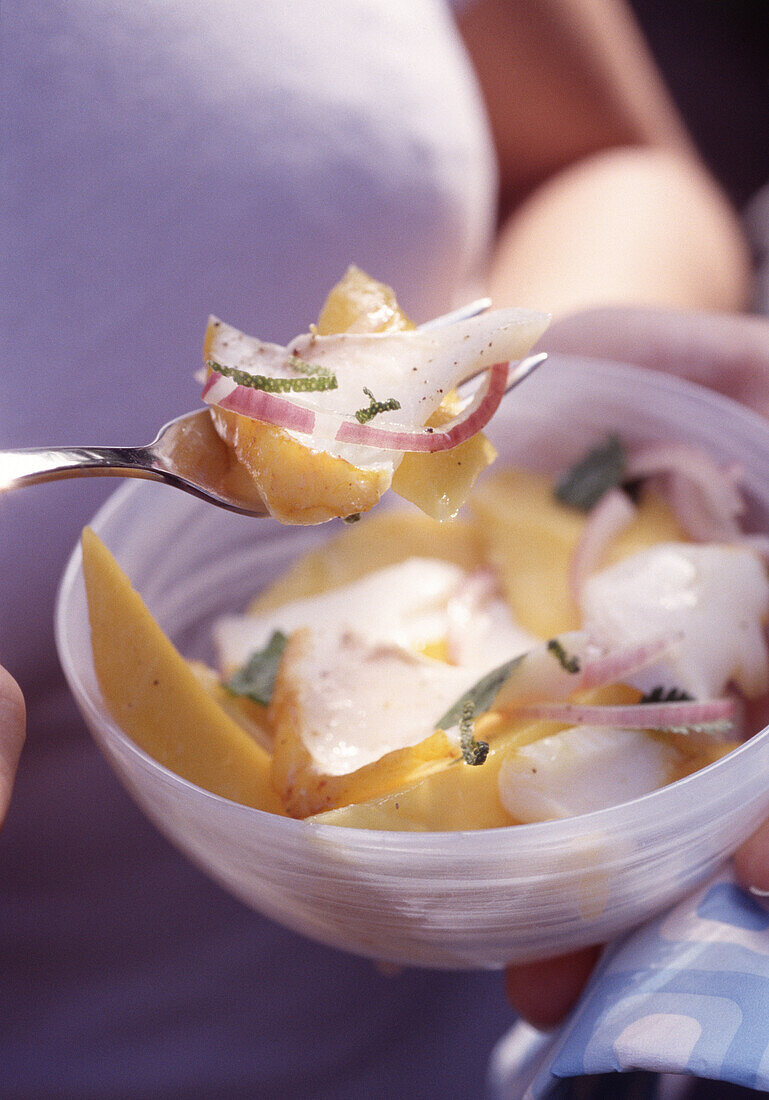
(473, 418)
(269, 408)
(614, 511)
(720, 497)
(695, 515)
(697, 715)
(615, 667)
(257, 404)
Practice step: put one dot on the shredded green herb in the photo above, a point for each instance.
(309, 384)
(569, 664)
(314, 369)
(473, 752)
(256, 678)
(671, 695)
(375, 407)
(601, 469)
(481, 695)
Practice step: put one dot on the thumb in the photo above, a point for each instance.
(12, 728)
(544, 992)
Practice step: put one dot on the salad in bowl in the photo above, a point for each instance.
(457, 743)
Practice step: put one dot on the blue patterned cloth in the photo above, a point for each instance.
(688, 993)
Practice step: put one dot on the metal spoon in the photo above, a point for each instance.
(186, 453)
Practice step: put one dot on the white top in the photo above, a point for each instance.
(176, 159)
(163, 161)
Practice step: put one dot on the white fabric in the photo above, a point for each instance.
(162, 160)
(172, 159)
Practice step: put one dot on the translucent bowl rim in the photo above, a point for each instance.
(624, 817)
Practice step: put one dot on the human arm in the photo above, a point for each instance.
(604, 200)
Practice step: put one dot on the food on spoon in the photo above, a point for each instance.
(418, 675)
(323, 425)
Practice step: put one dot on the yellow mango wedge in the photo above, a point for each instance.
(306, 791)
(358, 303)
(462, 796)
(459, 796)
(440, 483)
(250, 716)
(156, 697)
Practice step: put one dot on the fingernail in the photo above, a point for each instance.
(761, 896)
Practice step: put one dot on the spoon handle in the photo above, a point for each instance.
(32, 465)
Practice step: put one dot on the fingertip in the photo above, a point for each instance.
(544, 992)
(12, 731)
(11, 699)
(751, 863)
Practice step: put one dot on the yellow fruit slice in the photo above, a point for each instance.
(654, 523)
(250, 716)
(530, 538)
(358, 303)
(461, 796)
(440, 483)
(306, 791)
(695, 751)
(156, 698)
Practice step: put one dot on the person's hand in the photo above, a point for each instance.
(730, 354)
(12, 726)
(725, 352)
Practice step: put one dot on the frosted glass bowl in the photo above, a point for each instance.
(450, 900)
